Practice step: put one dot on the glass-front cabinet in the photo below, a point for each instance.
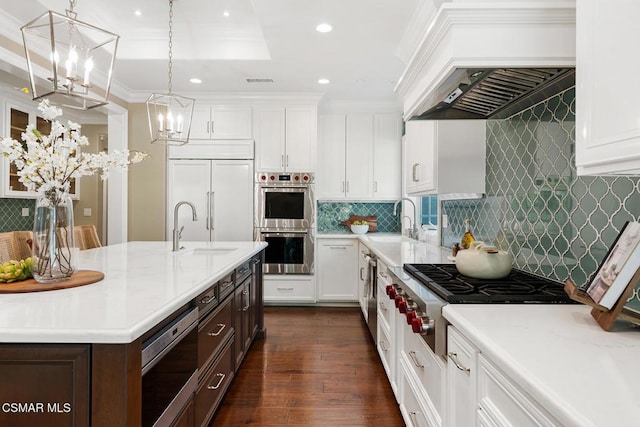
(17, 118)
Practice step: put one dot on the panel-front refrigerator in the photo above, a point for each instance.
(222, 192)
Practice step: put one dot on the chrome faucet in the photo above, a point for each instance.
(177, 233)
(413, 231)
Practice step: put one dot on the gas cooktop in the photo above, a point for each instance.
(519, 287)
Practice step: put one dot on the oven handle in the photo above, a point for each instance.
(280, 233)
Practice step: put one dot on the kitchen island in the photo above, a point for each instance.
(95, 334)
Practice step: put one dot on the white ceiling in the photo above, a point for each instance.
(273, 39)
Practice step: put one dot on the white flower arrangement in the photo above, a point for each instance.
(48, 163)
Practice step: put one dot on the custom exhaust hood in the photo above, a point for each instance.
(497, 93)
(484, 59)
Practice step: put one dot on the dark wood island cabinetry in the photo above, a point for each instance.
(68, 384)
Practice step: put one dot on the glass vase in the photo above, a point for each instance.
(54, 256)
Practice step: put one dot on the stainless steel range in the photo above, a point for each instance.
(421, 290)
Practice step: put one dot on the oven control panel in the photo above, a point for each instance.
(284, 178)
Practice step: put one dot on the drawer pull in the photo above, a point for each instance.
(285, 289)
(414, 358)
(207, 299)
(454, 358)
(226, 283)
(215, 334)
(384, 345)
(217, 386)
(414, 417)
(383, 306)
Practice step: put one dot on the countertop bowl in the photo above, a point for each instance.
(359, 229)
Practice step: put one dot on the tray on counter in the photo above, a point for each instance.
(81, 278)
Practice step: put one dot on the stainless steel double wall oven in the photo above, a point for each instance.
(284, 216)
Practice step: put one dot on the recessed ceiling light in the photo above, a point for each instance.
(226, 13)
(138, 12)
(324, 28)
(195, 80)
(323, 81)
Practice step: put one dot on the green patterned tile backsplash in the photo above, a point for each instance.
(555, 223)
(331, 214)
(11, 218)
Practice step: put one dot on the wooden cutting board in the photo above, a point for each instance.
(81, 278)
(372, 220)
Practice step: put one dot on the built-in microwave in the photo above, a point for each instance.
(284, 201)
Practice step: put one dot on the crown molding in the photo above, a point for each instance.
(252, 98)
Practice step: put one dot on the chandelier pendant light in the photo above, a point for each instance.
(75, 58)
(169, 114)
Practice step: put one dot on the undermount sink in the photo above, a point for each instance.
(208, 251)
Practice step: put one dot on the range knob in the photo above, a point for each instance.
(422, 325)
(398, 299)
(272, 177)
(391, 291)
(306, 177)
(263, 177)
(402, 307)
(296, 178)
(410, 316)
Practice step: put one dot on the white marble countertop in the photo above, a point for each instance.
(395, 250)
(144, 283)
(558, 354)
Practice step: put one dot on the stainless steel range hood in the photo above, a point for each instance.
(495, 93)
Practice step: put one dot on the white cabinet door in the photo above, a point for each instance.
(231, 122)
(337, 271)
(420, 156)
(269, 135)
(359, 149)
(330, 182)
(222, 192)
(363, 265)
(221, 122)
(444, 157)
(387, 164)
(301, 135)
(231, 200)
(189, 180)
(461, 380)
(607, 109)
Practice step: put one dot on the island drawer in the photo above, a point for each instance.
(213, 386)
(225, 286)
(208, 300)
(213, 332)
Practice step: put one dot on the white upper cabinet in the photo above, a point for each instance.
(445, 157)
(359, 156)
(607, 108)
(221, 122)
(285, 138)
(387, 163)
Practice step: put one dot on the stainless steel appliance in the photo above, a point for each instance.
(284, 216)
(169, 367)
(371, 294)
(289, 251)
(284, 200)
(421, 290)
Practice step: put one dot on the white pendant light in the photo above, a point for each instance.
(76, 59)
(169, 114)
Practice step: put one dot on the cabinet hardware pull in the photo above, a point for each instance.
(414, 172)
(384, 345)
(208, 126)
(454, 358)
(347, 186)
(285, 289)
(414, 358)
(361, 272)
(338, 247)
(383, 306)
(213, 207)
(282, 160)
(215, 334)
(342, 187)
(286, 163)
(208, 209)
(208, 299)
(226, 283)
(375, 186)
(212, 131)
(215, 387)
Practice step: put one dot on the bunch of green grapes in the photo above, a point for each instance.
(12, 271)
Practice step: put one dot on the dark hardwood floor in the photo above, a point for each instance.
(316, 367)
